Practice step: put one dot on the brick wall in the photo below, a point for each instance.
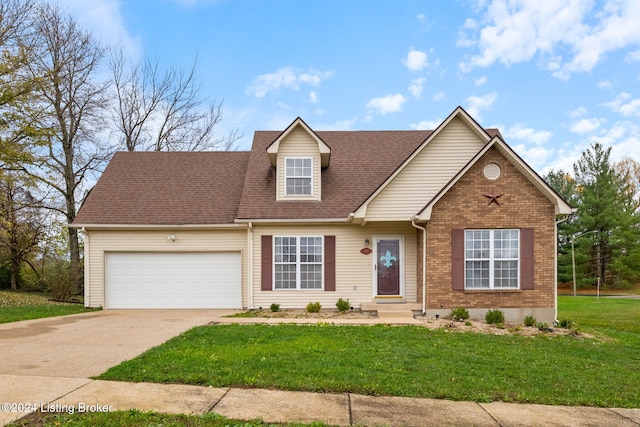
(464, 206)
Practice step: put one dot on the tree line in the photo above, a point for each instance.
(67, 103)
(603, 236)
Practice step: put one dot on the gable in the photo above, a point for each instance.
(427, 172)
(298, 144)
(512, 161)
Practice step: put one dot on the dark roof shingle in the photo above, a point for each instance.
(167, 188)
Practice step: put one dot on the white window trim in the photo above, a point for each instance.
(286, 177)
(298, 263)
(492, 260)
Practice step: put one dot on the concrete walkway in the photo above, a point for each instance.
(39, 380)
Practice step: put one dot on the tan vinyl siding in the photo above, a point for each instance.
(427, 173)
(299, 144)
(156, 241)
(354, 273)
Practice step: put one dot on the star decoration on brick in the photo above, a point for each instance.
(493, 197)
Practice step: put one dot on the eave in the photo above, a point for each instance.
(323, 148)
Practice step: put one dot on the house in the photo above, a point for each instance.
(432, 220)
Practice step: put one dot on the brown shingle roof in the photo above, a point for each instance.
(172, 188)
(360, 162)
(149, 188)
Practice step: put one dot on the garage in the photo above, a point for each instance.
(173, 280)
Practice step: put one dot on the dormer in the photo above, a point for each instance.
(298, 156)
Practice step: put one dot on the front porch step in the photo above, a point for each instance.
(392, 310)
(388, 314)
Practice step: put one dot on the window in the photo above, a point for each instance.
(298, 176)
(298, 262)
(492, 259)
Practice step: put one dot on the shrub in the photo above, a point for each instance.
(275, 307)
(343, 305)
(313, 307)
(494, 316)
(567, 324)
(459, 313)
(529, 320)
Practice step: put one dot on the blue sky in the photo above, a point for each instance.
(554, 76)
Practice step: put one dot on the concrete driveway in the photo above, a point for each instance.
(44, 359)
(86, 345)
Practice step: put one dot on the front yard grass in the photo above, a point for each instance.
(16, 306)
(134, 418)
(413, 361)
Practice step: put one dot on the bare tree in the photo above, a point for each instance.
(73, 100)
(163, 111)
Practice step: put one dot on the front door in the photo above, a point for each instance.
(388, 266)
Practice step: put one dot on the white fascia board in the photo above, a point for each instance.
(293, 221)
(158, 226)
(323, 148)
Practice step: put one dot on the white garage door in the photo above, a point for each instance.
(173, 280)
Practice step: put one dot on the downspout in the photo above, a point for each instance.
(250, 265)
(424, 263)
(86, 266)
(555, 273)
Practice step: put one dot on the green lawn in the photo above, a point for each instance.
(133, 418)
(16, 306)
(412, 360)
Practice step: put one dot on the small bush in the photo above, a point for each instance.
(343, 305)
(313, 307)
(275, 307)
(567, 324)
(529, 320)
(494, 317)
(459, 314)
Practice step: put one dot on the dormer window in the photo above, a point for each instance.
(298, 174)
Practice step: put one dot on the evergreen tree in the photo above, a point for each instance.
(564, 184)
(606, 207)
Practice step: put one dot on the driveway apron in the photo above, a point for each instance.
(47, 358)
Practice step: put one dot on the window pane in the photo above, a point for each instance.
(506, 274)
(311, 276)
(285, 276)
(477, 274)
(299, 186)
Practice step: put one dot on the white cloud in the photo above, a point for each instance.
(426, 124)
(536, 156)
(604, 84)
(416, 60)
(624, 105)
(632, 56)
(438, 96)
(387, 104)
(586, 125)
(568, 37)
(522, 133)
(480, 81)
(416, 86)
(286, 77)
(578, 112)
(313, 98)
(105, 21)
(476, 104)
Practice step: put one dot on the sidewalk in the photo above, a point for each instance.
(343, 409)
